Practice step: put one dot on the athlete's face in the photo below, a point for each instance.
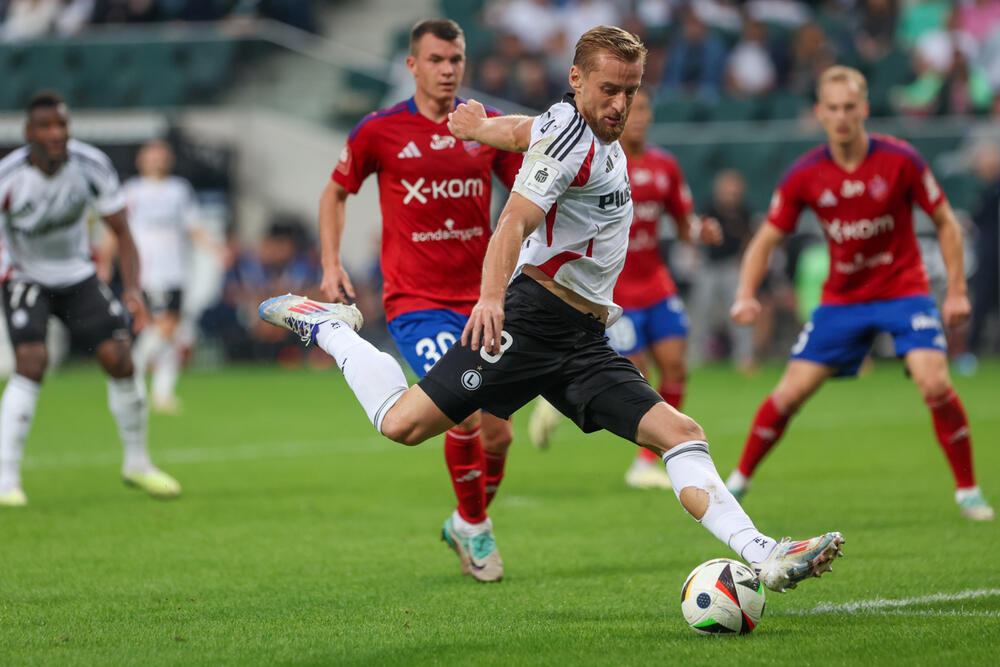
(47, 131)
(842, 110)
(155, 160)
(438, 66)
(604, 95)
(638, 121)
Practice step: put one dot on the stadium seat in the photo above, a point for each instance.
(738, 109)
(784, 104)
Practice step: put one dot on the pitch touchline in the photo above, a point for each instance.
(878, 605)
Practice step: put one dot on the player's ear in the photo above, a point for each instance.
(575, 78)
(411, 64)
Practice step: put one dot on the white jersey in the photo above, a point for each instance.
(45, 235)
(161, 214)
(582, 184)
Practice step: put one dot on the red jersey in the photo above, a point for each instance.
(658, 186)
(434, 192)
(866, 216)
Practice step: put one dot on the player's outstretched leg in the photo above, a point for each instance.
(701, 492)
(542, 423)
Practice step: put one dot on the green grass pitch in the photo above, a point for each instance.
(303, 538)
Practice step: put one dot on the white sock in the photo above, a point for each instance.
(127, 402)
(689, 465)
(466, 529)
(17, 412)
(146, 346)
(374, 377)
(168, 363)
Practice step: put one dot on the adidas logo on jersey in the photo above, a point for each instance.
(409, 150)
(827, 199)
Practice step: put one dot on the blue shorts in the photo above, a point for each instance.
(423, 336)
(841, 335)
(638, 329)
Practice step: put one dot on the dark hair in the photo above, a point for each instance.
(445, 29)
(44, 98)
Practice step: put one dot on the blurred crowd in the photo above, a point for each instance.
(708, 49)
(36, 19)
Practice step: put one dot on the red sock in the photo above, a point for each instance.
(768, 425)
(673, 394)
(952, 429)
(494, 473)
(463, 453)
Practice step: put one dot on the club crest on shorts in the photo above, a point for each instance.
(472, 380)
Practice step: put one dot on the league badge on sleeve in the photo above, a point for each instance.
(540, 177)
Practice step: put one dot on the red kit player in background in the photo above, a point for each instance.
(654, 323)
(435, 201)
(862, 188)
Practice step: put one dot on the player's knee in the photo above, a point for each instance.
(674, 372)
(498, 442)
(932, 388)
(688, 429)
(401, 430)
(31, 361)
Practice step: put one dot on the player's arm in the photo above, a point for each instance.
(469, 122)
(519, 218)
(336, 283)
(956, 307)
(128, 267)
(753, 269)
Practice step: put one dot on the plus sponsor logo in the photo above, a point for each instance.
(453, 188)
(448, 233)
(858, 230)
(851, 189)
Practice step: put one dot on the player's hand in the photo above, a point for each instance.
(485, 325)
(711, 231)
(955, 310)
(465, 120)
(745, 311)
(136, 306)
(337, 284)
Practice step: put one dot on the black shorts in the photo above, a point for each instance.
(88, 309)
(160, 301)
(551, 349)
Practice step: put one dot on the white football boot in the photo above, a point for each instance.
(302, 316)
(13, 497)
(647, 475)
(791, 562)
(477, 554)
(542, 423)
(153, 481)
(973, 505)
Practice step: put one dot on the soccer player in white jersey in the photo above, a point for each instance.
(47, 189)
(163, 217)
(545, 299)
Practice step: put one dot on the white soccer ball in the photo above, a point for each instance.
(722, 596)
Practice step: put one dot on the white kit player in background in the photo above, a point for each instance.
(164, 218)
(47, 190)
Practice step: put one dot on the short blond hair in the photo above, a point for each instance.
(843, 74)
(614, 41)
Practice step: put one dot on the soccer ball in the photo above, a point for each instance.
(722, 596)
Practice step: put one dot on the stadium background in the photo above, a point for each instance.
(257, 98)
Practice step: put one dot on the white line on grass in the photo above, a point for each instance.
(880, 606)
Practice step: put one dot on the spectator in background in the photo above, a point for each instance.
(280, 263)
(750, 69)
(535, 23)
(873, 26)
(493, 77)
(695, 62)
(811, 53)
(919, 17)
(978, 18)
(532, 87)
(948, 83)
(29, 19)
(719, 275)
(986, 281)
